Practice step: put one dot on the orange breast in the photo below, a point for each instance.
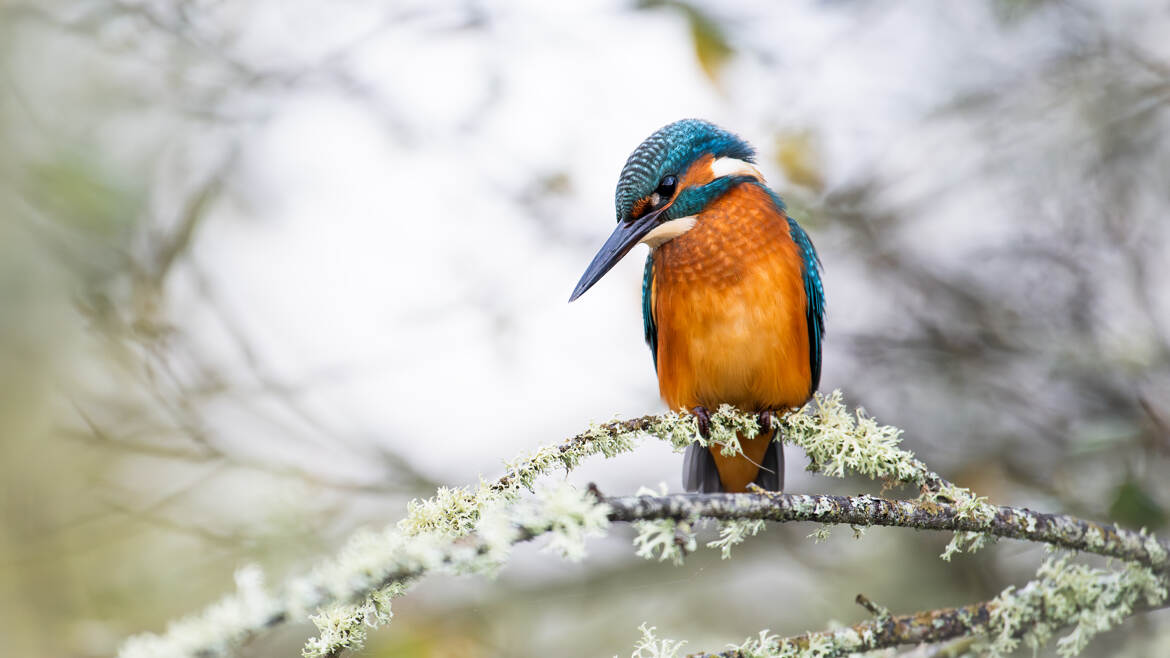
(729, 304)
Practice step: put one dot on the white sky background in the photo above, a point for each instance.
(407, 273)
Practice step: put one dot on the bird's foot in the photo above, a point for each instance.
(704, 418)
(764, 420)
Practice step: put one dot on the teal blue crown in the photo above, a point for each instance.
(670, 150)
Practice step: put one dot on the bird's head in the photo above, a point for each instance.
(666, 182)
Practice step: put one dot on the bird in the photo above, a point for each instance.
(733, 300)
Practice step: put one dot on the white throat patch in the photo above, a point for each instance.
(667, 231)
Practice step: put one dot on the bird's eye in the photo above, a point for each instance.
(666, 187)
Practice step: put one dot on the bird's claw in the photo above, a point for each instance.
(704, 418)
(764, 420)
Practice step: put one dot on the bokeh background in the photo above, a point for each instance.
(270, 268)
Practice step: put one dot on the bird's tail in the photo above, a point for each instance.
(771, 475)
(699, 471)
(701, 474)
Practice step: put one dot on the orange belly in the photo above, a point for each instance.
(729, 305)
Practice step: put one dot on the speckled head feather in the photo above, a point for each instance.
(669, 151)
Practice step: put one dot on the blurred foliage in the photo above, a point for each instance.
(799, 159)
(709, 38)
(1013, 11)
(72, 189)
(1134, 507)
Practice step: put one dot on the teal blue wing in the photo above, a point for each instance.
(814, 293)
(648, 325)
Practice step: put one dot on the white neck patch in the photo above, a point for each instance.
(667, 231)
(733, 167)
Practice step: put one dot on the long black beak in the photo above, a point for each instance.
(620, 242)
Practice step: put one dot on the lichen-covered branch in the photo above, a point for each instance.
(1063, 595)
(353, 589)
(1059, 530)
(470, 530)
(879, 633)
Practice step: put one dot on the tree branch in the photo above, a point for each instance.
(1059, 530)
(882, 633)
(926, 627)
(471, 531)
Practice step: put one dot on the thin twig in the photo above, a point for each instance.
(873, 608)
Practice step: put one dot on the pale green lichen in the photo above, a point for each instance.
(820, 645)
(662, 490)
(1063, 594)
(344, 626)
(680, 429)
(650, 646)
(821, 534)
(219, 630)
(566, 514)
(1091, 600)
(664, 539)
(837, 642)
(677, 429)
(456, 511)
(763, 646)
(1154, 548)
(570, 516)
(497, 531)
(728, 424)
(735, 532)
(966, 541)
(839, 442)
(372, 568)
(452, 511)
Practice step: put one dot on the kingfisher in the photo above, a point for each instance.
(733, 305)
